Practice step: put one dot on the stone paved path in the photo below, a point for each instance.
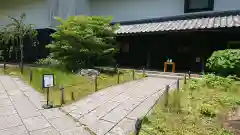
(113, 111)
(21, 112)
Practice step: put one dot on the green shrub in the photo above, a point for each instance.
(212, 81)
(217, 82)
(208, 110)
(225, 62)
(84, 42)
(195, 84)
(48, 61)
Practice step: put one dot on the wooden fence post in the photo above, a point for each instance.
(95, 83)
(72, 96)
(178, 96)
(30, 76)
(185, 79)
(118, 76)
(133, 74)
(178, 85)
(189, 74)
(166, 95)
(4, 67)
(62, 95)
(138, 126)
(143, 72)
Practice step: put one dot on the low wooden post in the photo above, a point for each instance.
(116, 67)
(133, 74)
(4, 67)
(95, 83)
(138, 126)
(178, 96)
(185, 79)
(189, 74)
(72, 96)
(30, 76)
(62, 95)
(118, 76)
(178, 84)
(143, 72)
(166, 95)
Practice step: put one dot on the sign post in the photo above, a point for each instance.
(48, 82)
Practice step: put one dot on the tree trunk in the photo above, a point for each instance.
(21, 49)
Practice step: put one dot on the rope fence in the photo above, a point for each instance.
(167, 89)
(69, 93)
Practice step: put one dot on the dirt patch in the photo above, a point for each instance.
(232, 122)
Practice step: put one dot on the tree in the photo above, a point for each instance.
(83, 41)
(14, 34)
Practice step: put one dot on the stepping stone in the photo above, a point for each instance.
(36, 123)
(46, 131)
(18, 130)
(10, 121)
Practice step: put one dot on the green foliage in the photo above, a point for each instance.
(218, 82)
(13, 35)
(212, 81)
(49, 62)
(194, 84)
(225, 62)
(80, 85)
(204, 103)
(208, 110)
(84, 41)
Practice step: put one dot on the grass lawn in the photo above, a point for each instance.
(203, 111)
(81, 86)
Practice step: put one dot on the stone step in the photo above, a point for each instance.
(169, 74)
(165, 76)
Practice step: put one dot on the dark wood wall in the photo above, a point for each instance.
(182, 47)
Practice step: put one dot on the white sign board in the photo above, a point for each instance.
(48, 80)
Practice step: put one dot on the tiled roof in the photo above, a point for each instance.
(182, 24)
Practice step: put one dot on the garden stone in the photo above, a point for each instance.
(89, 72)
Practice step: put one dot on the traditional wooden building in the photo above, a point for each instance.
(188, 40)
(151, 31)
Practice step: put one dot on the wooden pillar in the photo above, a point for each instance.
(148, 59)
(203, 65)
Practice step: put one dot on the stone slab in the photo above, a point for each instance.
(26, 109)
(99, 112)
(85, 108)
(5, 102)
(103, 129)
(125, 127)
(63, 123)
(10, 121)
(8, 83)
(18, 130)
(121, 98)
(130, 104)
(69, 108)
(46, 131)
(75, 131)
(36, 123)
(142, 109)
(7, 110)
(3, 95)
(52, 113)
(116, 115)
(14, 92)
(75, 115)
(18, 98)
